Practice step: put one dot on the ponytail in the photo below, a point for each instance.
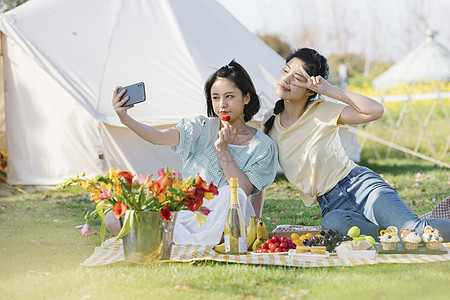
(279, 107)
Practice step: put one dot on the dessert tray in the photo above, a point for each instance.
(422, 250)
(307, 256)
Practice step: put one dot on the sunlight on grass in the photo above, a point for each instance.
(41, 253)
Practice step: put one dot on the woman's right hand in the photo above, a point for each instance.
(118, 103)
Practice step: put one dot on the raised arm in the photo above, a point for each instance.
(229, 166)
(361, 109)
(168, 137)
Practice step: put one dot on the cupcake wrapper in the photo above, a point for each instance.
(410, 246)
(435, 245)
(389, 246)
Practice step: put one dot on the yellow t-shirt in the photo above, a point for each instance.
(310, 150)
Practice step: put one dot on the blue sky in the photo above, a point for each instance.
(383, 29)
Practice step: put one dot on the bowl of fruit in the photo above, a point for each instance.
(276, 245)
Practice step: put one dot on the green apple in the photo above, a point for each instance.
(358, 238)
(354, 231)
(370, 239)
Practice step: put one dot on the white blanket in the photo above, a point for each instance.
(187, 230)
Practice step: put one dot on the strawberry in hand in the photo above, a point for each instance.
(226, 117)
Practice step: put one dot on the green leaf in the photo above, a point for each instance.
(127, 224)
(141, 199)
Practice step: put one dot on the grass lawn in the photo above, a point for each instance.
(41, 252)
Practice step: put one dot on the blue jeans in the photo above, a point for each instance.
(365, 200)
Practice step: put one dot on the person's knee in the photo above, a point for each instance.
(338, 219)
(335, 219)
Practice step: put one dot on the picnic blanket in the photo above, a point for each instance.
(111, 251)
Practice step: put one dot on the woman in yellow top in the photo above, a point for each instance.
(305, 129)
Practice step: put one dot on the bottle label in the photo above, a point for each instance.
(227, 243)
(242, 244)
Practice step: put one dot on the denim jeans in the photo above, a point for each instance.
(365, 200)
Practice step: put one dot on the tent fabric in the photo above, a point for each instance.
(430, 61)
(63, 58)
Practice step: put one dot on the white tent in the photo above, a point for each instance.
(430, 61)
(62, 60)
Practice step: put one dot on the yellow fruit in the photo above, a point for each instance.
(260, 229)
(220, 248)
(309, 235)
(294, 236)
(257, 244)
(298, 242)
(251, 232)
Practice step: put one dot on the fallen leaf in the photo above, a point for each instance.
(182, 288)
(316, 216)
(276, 220)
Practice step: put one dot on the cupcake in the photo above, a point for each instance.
(411, 239)
(432, 238)
(389, 238)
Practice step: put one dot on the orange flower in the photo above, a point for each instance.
(128, 177)
(119, 209)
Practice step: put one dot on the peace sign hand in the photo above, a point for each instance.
(314, 83)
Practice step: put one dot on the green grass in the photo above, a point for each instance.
(41, 252)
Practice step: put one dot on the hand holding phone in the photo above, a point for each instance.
(136, 92)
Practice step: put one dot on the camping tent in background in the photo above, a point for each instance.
(62, 60)
(430, 61)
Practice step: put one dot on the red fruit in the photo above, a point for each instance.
(265, 245)
(283, 245)
(270, 251)
(283, 250)
(260, 250)
(226, 117)
(265, 251)
(275, 239)
(283, 239)
(277, 250)
(272, 246)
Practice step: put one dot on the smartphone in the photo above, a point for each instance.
(136, 92)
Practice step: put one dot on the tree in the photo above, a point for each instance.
(6, 5)
(274, 41)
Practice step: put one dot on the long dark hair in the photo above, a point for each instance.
(316, 64)
(237, 74)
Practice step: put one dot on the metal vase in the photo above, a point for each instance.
(150, 239)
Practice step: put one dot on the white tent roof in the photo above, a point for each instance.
(430, 61)
(90, 47)
(63, 59)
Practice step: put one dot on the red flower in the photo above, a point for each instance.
(128, 177)
(204, 210)
(119, 209)
(213, 189)
(165, 213)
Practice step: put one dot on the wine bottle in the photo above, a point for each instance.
(235, 226)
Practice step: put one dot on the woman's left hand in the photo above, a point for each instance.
(225, 137)
(316, 84)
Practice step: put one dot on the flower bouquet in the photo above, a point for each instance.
(125, 194)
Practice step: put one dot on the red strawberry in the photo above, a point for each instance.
(226, 117)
